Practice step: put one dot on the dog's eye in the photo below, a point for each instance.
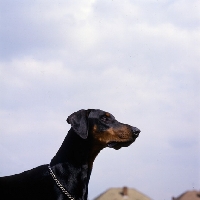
(104, 119)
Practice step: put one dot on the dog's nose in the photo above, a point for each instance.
(136, 131)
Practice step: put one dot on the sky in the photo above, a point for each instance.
(136, 59)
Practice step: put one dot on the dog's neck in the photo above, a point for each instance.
(72, 164)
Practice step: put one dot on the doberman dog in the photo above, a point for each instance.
(67, 176)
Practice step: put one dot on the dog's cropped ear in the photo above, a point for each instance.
(79, 122)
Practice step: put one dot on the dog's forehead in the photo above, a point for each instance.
(97, 113)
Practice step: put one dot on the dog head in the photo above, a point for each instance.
(102, 128)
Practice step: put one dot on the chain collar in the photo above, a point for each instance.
(59, 184)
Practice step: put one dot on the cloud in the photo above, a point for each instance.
(139, 60)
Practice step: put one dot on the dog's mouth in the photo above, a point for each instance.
(117, 145)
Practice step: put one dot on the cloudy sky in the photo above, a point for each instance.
(137, 59)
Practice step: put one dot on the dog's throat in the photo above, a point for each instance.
(95, 150)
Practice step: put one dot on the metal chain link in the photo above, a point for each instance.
(59, 184)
